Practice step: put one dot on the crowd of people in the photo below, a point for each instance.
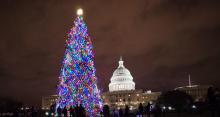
(78, 111)
(140, 111)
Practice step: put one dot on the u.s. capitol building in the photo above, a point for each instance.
(122, 90)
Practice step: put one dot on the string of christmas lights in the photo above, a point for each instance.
(77, 80)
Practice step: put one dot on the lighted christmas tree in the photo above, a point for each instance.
(77, 81)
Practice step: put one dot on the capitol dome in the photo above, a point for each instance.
(121, 79)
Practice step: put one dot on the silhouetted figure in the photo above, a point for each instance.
(16, 112)
(33, 112)
(211, 101)
(120, 112)
(52, 108)
(141, 109)
(148, 109)
(157, 111)
(114, 113)
(77, 110)
(106, 111)
(126, 111)
(217, 95)
(72, 112)
(81, 111)
(101, 114)
(59, 112)
(64, 111)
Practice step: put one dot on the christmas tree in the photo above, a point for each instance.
(77, 81)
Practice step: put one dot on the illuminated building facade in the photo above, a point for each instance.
(47, 101)
(122, 90)
(121, 79)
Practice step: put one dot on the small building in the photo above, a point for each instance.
(122, 90)
(197, 92)
(47, 101)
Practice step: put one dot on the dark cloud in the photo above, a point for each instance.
(161, 41)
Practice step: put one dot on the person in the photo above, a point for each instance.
(64, 112)
(59, 111)
(211, 100)
(52, 108)
(16, 112)
(120, 112)
(33, 112)
(81, 111)
(72, 111)
(101, 114)
(157, 111)
(217, 96)
(106, 111)
(114, 113)
(126, 111)
(148, 109)
(77, 110)
(141, 109)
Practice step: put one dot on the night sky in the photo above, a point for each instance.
(161, 41)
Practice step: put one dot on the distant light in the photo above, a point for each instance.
(193, 106)
(46, 113)
(149, 91)
(170, 108)
(164, 107)
(80, 11)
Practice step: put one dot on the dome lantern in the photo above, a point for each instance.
(120, 62)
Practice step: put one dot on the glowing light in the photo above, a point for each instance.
(149, 92)
(46, 113)
(170, 108)
(193, 106)
(80, 11)
(164, 107)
